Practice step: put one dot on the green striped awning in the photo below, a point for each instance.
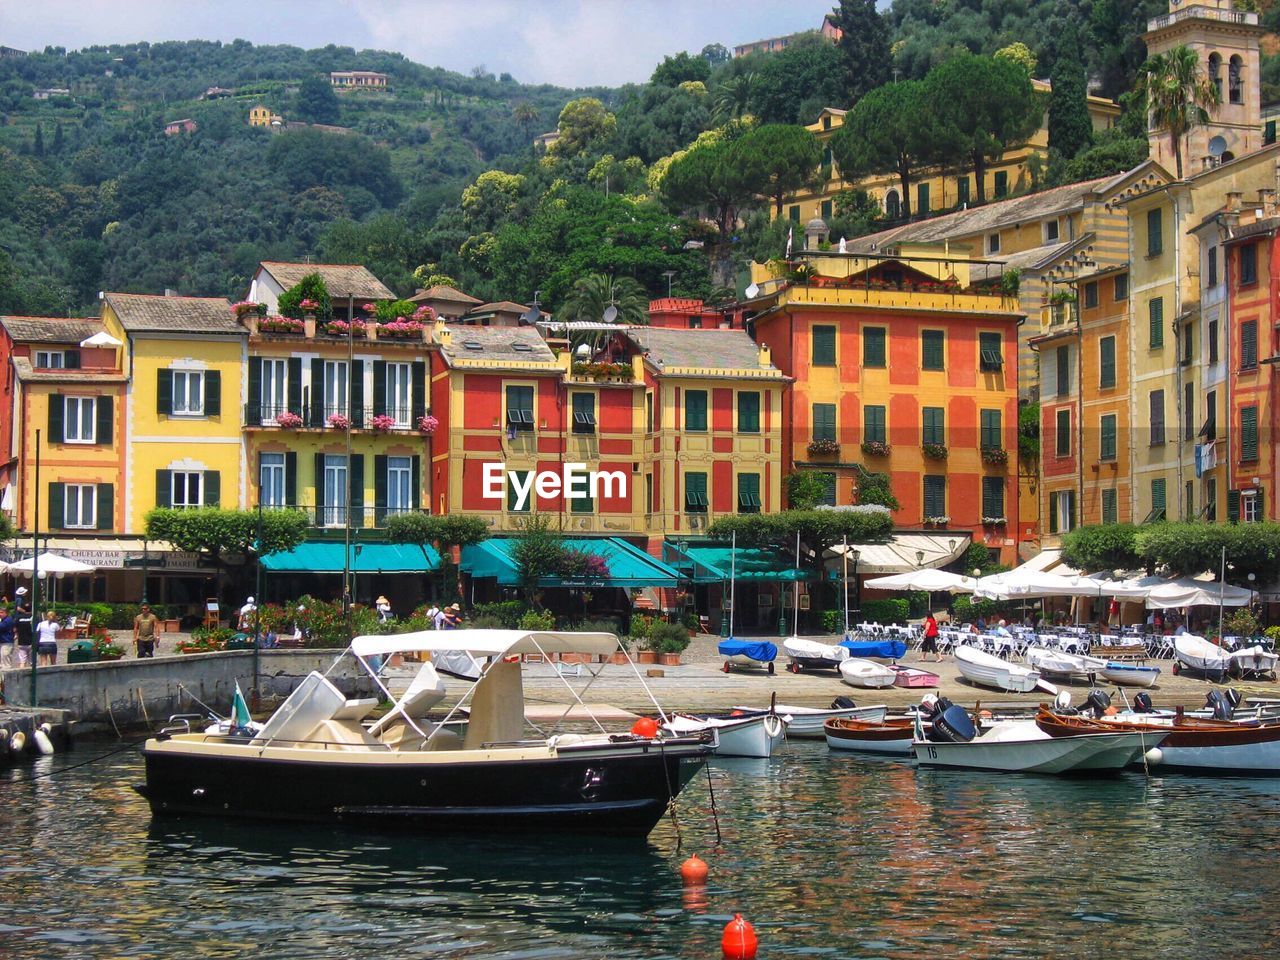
(629, 566)
(365, 558)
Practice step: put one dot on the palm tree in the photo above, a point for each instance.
(734, 96)
(1177, 93)
(525, 114)
(595, 292)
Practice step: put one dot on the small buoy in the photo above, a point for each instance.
(694, 871)
(47, 727)
(43, 743)
(646, 727)
(18, 742)
(739, 940)
(1154, 756)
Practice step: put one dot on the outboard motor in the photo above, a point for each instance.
(1097, 703)
(842, 703)
(952, 725)
(1142, 703)
(1233, 697)
(1062, 704)
(1217, 701)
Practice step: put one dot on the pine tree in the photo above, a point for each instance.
(1070, 129)
(864, 44)
(38, 146)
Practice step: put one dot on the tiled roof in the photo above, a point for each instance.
(443, 292)
(714, 349)
(49, 329)
(499, 306)
(983, 219)
(27, 373)
(146, 313)
(496, 343)
(343, 279)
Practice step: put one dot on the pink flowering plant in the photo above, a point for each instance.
(339, 421)
(383, 422)
(428, 424)
(289, 420)
(401, 328)
(824, 446)
(340, 328)
(995, 455)
(308, 305)
(281, 325)
(875, 448)
(246, 307)
(424, 314)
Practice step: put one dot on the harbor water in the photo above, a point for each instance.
(827, 855)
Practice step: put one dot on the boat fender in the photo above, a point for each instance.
(739, 939)
(18, 742)
(645, 727)
(1142, 703)
(43, 743)
(1154, 756)
(694, 871)
(772, 725)
(842, 703)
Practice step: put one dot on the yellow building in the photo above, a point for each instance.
(260, 116)
(183, 361)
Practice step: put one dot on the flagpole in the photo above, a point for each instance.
(795, 613)
(846, 586)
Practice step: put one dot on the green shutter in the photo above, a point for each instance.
(935, 496)
(1158, 503)
(253, 411)
(1002, 183)
(824, 421)
(749, 493)
(379, 387)
(106, 506)
(415, 483)
(1053, 512)
(824, 346)
(990, 429)
(355, 395)
(318, 480)
(57, 410)
(1155, 227)
(1062, 358)
(1248, 433)
(873, 352)
(1155, 315)
(1110, 513)
(993, 496)
(962, 190)
(291, 479)
(294, 387)
(317, 396)
(748, 412)
(1156, 406)
(212, 488)
(695, 410)
(873, 424)
(212, 393)
(71, 360)
(1107, 362)
(522, 476)
(355, 477)
(104, 413)
(379, 489)
(1233, 506)
(934, 425)
(695, 492)
(164, 489)
(1107, 448)
(932, 349)
(164, 392)
(57, 506)
(922, 198)
(418, 402)
(1248, 344)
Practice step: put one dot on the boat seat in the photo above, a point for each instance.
(355, 710)
(339, 735)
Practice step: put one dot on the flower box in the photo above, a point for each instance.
(669, 659)
(935, 451)
(995, 455)
(875, 448)
(428, 424)
(401, 329)
(288, 420)
(383, 423)
(338, 421)
(247, 308)
(936, 521)
(340, 328)
(285, 325)
(994, 521)
(823, 447)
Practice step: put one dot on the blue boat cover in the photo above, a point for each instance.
(761, 650)
(886, 649)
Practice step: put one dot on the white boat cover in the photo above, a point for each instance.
(796, 647)
(485, 643)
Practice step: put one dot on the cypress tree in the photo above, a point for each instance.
(1070, 129)
(38, 146)
(57, 139)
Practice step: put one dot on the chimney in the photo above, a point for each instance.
(1233, 201)
(766, 355)
(1267, 197)
(442, 334)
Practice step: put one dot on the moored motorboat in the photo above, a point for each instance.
(866, 674)
(757, 735)
(913, 677)
(988, 670)
(811, 655)
(1197, 653)
(885, 736)
(748, 653)
(317, 760)
(807, 722)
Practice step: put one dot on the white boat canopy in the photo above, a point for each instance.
(935, 581)
(485, 643)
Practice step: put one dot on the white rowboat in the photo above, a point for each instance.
(987, 670)
(867, 674)
(1019, 746)
(807, 722)
(756, 736)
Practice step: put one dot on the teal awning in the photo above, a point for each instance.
(365, 558)
(629, 566)
(712, 564)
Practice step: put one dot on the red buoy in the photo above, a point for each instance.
(739, 940)
(694, 871)
(646, 727)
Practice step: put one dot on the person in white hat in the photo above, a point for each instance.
(246, 614)
(383, 606)
(22, 614)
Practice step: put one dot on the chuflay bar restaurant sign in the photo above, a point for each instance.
(573, 481)
(103, 559)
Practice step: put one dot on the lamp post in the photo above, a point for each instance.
(35, 575)
(857, 584)
(257, 609)
(347, 598)
(668, 274)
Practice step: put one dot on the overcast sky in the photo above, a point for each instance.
(567, 42)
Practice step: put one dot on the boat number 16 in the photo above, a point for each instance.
(932, 752)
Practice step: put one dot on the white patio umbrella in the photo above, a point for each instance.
(934, 581)
(52, 564)
(1188, 592)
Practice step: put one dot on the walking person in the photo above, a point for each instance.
(383, 606)
(453, 617)
(47, 639)
(144, 632)
(22, 617)
(8, 627)
(438, 617)
(930, 644)
(246, 620)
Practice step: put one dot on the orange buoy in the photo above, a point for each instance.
(739, 940)
(646, 727)
(984, 714)
(694, 871)
(1110, 712)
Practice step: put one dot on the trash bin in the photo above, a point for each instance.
(82, 651)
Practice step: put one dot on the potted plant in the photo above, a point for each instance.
(935, 451)
(638, 634)
(875, 448)
(936, 521)
(401, 328)
(339, 421)
(247, 308)
(823, 447)
(427, 425)
(994, 521)
(669, 640)
(383, 423)
(341, 328)
(105, 649)
(285, 325)
(995, 455)
(288, 420)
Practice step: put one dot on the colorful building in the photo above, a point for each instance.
(350, 286)
(358, 80)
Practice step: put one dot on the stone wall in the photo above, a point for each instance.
(125, 693)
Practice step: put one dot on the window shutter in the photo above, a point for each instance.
(1107, 362)
(1155, 314)
(253, 413)
(415, 482)
(294, 386)
(419, 398)
(164, 392)
(212, 492)
(57, 506)
(1053, 512)
(824, 346)
(1248, 344)
(213, 393)
(1063, 357)
(379, 489)
(291, 479)
(164, 489)
(873, 347)
(1233, 506)
(379, 387)
(104, 411)
(355, 470)
(71, 360)
(1071, 509)
(319, 482)
(57, 410)
(317, 400)
(106, 506)
(1248, 433)
(357, 393)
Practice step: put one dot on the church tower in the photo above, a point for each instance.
(1226, 41)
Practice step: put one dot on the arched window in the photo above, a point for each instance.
(1215, 72)
(1235, 80)
(892, 205)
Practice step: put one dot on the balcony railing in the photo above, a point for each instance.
(335, 517)
(312, 418)
(1199, 12)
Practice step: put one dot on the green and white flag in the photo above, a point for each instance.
(239, 709)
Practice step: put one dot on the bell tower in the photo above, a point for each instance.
(1226, 42)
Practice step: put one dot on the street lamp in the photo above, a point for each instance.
(668, 274)
(919, 559)
(857, 584)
